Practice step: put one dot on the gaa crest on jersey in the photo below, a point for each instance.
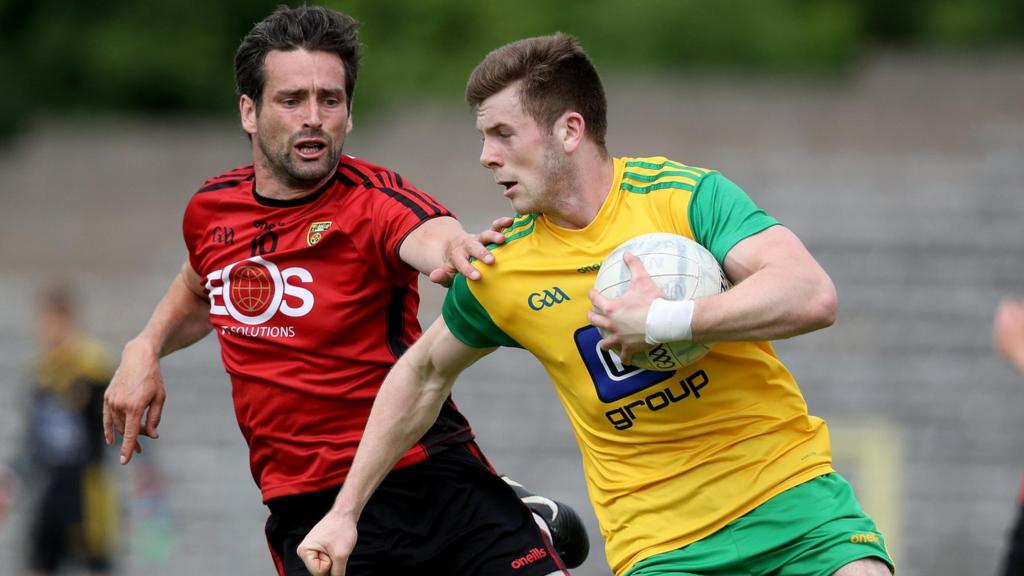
(317, 231)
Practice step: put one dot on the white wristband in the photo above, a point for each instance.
(669, 321)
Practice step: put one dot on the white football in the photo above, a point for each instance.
(683, 269)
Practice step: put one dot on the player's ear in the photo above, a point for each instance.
(570, 129)
(348, 125)
(247, 111)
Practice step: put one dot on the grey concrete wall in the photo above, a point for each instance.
(904, 179)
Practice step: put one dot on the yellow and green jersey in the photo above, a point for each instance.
(669, 457)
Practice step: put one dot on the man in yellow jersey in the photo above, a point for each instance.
(73, 518)
(714, 469)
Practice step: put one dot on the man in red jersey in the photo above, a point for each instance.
(305, 264)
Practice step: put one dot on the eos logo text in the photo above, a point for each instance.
(253, 290)
(540, 300)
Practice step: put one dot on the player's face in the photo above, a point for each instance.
(52, 328)
(300, 128)
(525, 159)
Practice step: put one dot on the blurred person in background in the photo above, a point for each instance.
(306, 265)
(1008, 339)
(1008, 332)
(716, 468)
(74, 518)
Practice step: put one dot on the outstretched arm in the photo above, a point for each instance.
(407, 404)
(134, 399)
(779, 291)
(440, 248)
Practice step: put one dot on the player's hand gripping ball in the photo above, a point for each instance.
(683, 269)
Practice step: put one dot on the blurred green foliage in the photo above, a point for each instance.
(167, 56)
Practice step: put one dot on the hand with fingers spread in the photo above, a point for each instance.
(134, 400)
(458, 253)
(625, 317)
(326, 548)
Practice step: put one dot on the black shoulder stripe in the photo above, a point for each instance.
(380, 179)
(399, 183)
(223, 184)
(426, 200)
(361, 176)
(343, 178)
(404, 197)
(406, 201)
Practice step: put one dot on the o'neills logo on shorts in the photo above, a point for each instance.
(534, 555)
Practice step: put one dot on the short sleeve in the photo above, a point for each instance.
(721, 214)
(400, 211)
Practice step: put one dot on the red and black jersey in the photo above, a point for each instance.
(312, 306)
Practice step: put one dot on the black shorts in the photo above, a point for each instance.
(448, 515)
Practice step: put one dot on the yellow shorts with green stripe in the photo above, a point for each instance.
(813, 529)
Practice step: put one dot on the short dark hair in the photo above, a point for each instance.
(57, 297)
(311, 28)
(556, 75)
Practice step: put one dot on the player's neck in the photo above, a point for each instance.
(269, 185)
(580, 205)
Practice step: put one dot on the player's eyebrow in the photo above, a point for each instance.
(296, 92)
(493, 127)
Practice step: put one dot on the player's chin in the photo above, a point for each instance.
(312, 170)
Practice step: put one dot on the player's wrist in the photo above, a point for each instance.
(346, 507)
(142, 344)
(669, 321)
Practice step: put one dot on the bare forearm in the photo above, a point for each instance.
(440, 248)
(780, 291)
(407, 404)
(769, 305)
(401, 413)
(426, 248)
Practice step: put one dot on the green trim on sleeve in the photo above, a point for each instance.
(469, 321)
(721, 214)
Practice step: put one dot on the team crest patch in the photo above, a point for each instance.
(316, 232)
